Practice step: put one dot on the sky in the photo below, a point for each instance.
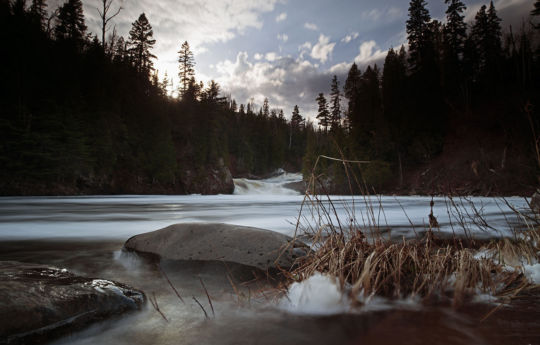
(285, 50)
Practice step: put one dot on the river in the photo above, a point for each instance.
(85, 235)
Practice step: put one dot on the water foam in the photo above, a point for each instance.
(275, 185)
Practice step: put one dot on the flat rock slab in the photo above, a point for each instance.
(263, 249)
(39, 302)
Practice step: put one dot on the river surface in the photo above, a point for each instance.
(85, 235)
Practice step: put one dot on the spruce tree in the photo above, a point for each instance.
(418, 33)
(536, 12)
(297, 121)
(265, 108)
(141, 41)
(323, 115)
(455, 29)
(38, 11)
(335, 104)
(186, 67)
(351, 91)
(70, 22)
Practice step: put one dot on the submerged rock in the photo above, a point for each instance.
(39, 302)
(263, 249)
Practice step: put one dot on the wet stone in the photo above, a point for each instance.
(262, 249)
(39, 303)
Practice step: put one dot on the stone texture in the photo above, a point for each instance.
(248, 246)
(39, 302)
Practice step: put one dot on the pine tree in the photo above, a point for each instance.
(70, 23)
(186, 67)
(536, 12)
(141, 41)
(297, 121)
(486, 38)
(265, 108)
(335, 105)
(323, 115)
(418, 33)
(38, 11)
(455, 29)
(351, 91)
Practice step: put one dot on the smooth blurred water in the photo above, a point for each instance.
(119, 217)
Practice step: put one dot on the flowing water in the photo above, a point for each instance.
(86, 234)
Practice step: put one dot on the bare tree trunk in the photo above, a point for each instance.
(103, 13)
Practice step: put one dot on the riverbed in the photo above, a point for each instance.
(85, 235)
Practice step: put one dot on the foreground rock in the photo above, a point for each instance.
(39, 302)
(263, 249)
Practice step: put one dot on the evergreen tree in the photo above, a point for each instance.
(455, 36)
(38, 11)
(265, 108)
(297, 121)
(351, 91)
(418, 33)
(323, 115)
(486, 40)
(70, 22)
(536, 12)
(141, 42)
(186, 67)
(335, 105)
(455, 29)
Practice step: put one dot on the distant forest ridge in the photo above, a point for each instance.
(82, 114)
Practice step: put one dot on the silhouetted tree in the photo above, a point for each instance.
(141, 42)
(38, 11)
(186, 67)
(265, 111)
(106, 18)
(351, 90)
(418, 33)
(323, 115)
(335, 105)
(70, 22)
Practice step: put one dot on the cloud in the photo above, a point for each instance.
(286, 82)
(201, 23)
(510, 11)
(271, 56)
(369, 53)
(258, 56)
(323, 49)
(388, 14)
(311, 26)
(283, 37)
(281, 17)
(350, 37)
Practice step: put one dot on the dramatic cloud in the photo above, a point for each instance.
(323, 49)
(311, 26)
(281, 17)
(285, 81)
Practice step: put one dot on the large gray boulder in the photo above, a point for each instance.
(39, 302)
(263, 249)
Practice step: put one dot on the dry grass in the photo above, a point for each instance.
(425, 267)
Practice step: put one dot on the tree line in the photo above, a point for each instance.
(84, 114)
(453, 75)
